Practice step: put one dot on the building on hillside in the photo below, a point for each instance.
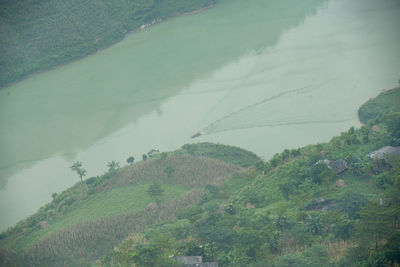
(195, 261)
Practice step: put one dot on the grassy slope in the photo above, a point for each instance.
(226, 153)
(384, 103)
(117, 197)
(121, 200)
(37, 35)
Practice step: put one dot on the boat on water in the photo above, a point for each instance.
(196, 135)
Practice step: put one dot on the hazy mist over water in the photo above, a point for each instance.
(261, 75)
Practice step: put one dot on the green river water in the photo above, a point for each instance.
(263, 75)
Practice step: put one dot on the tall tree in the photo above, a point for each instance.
(77, 167)
(130, 160)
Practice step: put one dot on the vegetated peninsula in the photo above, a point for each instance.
(329, 204)
(38, 35)
(386, 102)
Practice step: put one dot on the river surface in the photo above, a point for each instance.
(263, 75)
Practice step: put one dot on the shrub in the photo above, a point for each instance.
(351, 203)
(91, 180)
(192, 213)
(316, 256)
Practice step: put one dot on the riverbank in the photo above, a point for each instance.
(62, 50)
(159, 20)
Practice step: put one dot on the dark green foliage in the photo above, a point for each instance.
(192, 213)
(314, 224)
(260, 166)
(216, 231)
(196, 248)
(343, 227)
(38, 35)
(379, 220)
(316, 256)
(297, 235)
(385, 103)
(229, 208)
(287, 189)
(156, 192)
(365, 132)
(356, 164)
(320, 173)
(283, 223)
(382, 180)
(130, 160)
(351, 204)
(393, 122)
(151, 255)
(391, 248)
(254, 196)
(350, 137)
(282, 157)
(90, 180)
(169, 170)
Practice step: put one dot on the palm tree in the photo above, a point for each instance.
(112, 166)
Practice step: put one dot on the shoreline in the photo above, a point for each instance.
(159, 20)
(141, 28)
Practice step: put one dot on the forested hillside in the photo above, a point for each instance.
(330, 204)
(38, 35)
(386, 102)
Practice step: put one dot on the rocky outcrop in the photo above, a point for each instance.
(384, 152)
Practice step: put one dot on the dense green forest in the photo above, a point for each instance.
(38, 35)
(329, 204)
